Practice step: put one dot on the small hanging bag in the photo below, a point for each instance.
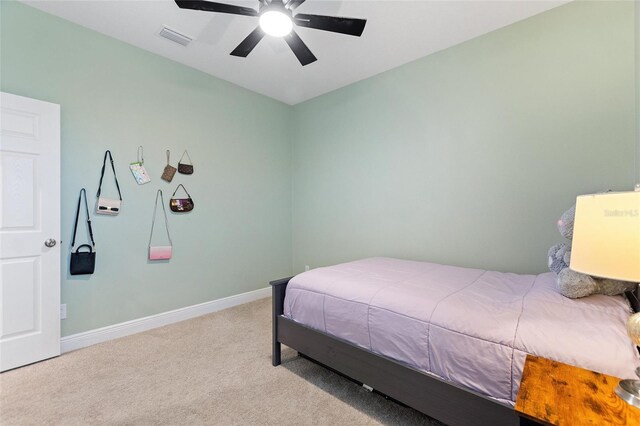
(160, 252)
(181, 205)
(82, 262)
(169, 171)
(184, 168)
(107, 205)
(137, 169)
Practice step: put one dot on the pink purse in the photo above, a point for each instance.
(160, 252)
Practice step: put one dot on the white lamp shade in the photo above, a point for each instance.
(606, 236)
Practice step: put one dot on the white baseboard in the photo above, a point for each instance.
(99, 335)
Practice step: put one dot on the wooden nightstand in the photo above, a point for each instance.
(555, 393)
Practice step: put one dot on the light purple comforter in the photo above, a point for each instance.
(467, 326)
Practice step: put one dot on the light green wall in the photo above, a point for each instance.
(469, 156)
(117, 96)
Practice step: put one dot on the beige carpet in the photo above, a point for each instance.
(215, 369)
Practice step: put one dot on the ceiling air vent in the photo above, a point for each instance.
(175, 36)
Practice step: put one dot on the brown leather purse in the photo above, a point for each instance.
(184, 168)
(169, 170)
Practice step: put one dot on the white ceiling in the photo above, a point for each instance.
(397, 32)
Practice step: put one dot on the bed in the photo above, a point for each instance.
(448, 341)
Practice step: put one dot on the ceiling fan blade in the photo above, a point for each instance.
(349, 26)
(299, 49)
(210, 6)
(247, 45)
(293, 4)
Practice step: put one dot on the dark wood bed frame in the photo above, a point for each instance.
(444, 401)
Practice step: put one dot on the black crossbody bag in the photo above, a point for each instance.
(83, 262)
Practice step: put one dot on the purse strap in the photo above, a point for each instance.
(75, 227)
(104, 163)
(140, 155)
(178, 187)
(166, 221)
(168, 155)
(188, 156)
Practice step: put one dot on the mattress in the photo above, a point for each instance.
(467, 326)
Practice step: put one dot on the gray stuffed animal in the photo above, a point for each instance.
(574, 284)
(557, 254)
(560, 254)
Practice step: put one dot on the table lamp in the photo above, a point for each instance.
(606, 243)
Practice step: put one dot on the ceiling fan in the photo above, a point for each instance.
(277, 19)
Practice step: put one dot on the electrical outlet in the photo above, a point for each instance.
(63, 311)
(306, 268)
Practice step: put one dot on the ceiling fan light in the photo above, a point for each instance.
(276, 23)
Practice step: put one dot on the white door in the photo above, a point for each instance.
(29, 230)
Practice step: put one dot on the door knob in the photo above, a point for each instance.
(50, 242)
